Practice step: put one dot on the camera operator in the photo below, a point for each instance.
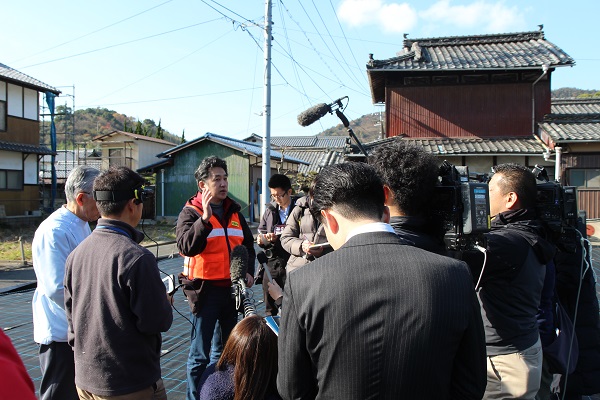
(510, 285)
(409, 175)
(269, 231)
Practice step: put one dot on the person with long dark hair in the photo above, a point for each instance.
(247, 369)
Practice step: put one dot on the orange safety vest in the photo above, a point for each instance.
(213, 262)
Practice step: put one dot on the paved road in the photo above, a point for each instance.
(15, 319)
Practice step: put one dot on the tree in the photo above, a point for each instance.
(304, 180)
(146, 131)
(159, 131)
(125, 126)
(183, 137)
(138, 128)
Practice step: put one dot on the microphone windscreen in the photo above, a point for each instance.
(239, 263)
(261, 257)
(313, 114)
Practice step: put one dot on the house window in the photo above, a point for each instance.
(587, 178)
(11, 179)
(115, 157)
(2, 116)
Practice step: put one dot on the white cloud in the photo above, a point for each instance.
(398, 18)
(392, 17)
(489, 16)
(480, 16)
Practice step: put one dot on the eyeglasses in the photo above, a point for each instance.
(278, 196)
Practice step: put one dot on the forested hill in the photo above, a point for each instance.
(93, 122)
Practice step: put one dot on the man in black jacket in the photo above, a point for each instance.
(410, 175)
(416, 334)
(510, 284)
(115, 301)
(269, 232)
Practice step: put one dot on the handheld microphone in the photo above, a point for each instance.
(238, 269)
(263, 260)
(317, 112)
(239, 265)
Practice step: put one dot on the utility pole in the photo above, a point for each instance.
(266, 149)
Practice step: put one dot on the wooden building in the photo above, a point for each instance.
(484, 100)
(572, 133)
(175, 182)
(20, 149)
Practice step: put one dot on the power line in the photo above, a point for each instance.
(180, 97)
(325, 43)
(163, 68)
(96, 31)
(333, 41)
(119, 44)
(233, 12)
(345, 38)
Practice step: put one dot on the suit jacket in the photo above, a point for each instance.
(380, 319)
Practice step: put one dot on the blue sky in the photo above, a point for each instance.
(198, 65)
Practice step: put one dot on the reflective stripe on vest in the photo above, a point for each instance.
(213, 262)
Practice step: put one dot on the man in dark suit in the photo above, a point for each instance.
(377, 318)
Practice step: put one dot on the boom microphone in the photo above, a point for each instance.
(317, 112)
(313, 114)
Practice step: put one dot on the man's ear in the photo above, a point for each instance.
(331, 221)
(512, 201)
(201, 185)
(388, 195)
(79, 199)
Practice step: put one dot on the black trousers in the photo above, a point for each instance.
(58, 372)
(277, 269)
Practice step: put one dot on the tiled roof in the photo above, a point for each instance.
(252, 148)
(133, 136)
(316, 159)
(472, 146)
(12, 75)
(24, 148)
(571, 130)
(573, 120)
(576, 106)
(499, 51)
(319, 142)
(466, 55)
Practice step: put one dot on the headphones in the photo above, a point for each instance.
(140, 193)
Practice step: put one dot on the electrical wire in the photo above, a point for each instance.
(96, 31)
(345, 38)
(163, 68)
(118, 44)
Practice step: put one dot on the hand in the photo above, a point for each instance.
(274, 290)
(305, 245)
(206, 198)
(271, 237)
(249, 280)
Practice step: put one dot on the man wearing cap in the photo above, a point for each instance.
(115, 299)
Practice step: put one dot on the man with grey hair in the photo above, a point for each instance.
(53, 241)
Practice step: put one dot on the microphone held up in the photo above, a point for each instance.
(317, 112)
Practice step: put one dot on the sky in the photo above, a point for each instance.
(198, 65)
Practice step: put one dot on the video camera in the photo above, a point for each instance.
(463, 204)
(556, 205)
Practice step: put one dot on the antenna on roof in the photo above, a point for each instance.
(541, 26)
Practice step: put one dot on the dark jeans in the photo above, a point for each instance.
(218, 306)
(58, 372)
